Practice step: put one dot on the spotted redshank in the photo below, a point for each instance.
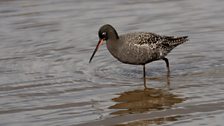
(138, 48)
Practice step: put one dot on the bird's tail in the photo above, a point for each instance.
(175, 41)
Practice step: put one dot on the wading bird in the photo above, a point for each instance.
(138, 48)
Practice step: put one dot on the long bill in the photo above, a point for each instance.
(97, 46)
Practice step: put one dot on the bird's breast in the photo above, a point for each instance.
(131, 53)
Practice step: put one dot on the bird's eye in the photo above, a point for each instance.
(104, 34)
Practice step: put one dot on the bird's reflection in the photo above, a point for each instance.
(139, 101)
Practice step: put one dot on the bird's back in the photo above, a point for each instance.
(151, 40)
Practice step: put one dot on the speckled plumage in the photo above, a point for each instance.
(138, 48)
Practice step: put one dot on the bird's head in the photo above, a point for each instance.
(105, 33)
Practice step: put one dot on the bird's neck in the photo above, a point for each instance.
(113, 42)
(114, 46)
(112, 35)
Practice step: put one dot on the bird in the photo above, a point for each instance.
(137, 48)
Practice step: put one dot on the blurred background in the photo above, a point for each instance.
(45, 77)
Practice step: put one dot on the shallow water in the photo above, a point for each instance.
(46, 79)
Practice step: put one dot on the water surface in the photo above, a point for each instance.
(46, 79)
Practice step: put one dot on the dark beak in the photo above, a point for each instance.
(97, 46)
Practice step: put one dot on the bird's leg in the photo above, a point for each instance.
(144, 77)
(167, 64)
(168, 70)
